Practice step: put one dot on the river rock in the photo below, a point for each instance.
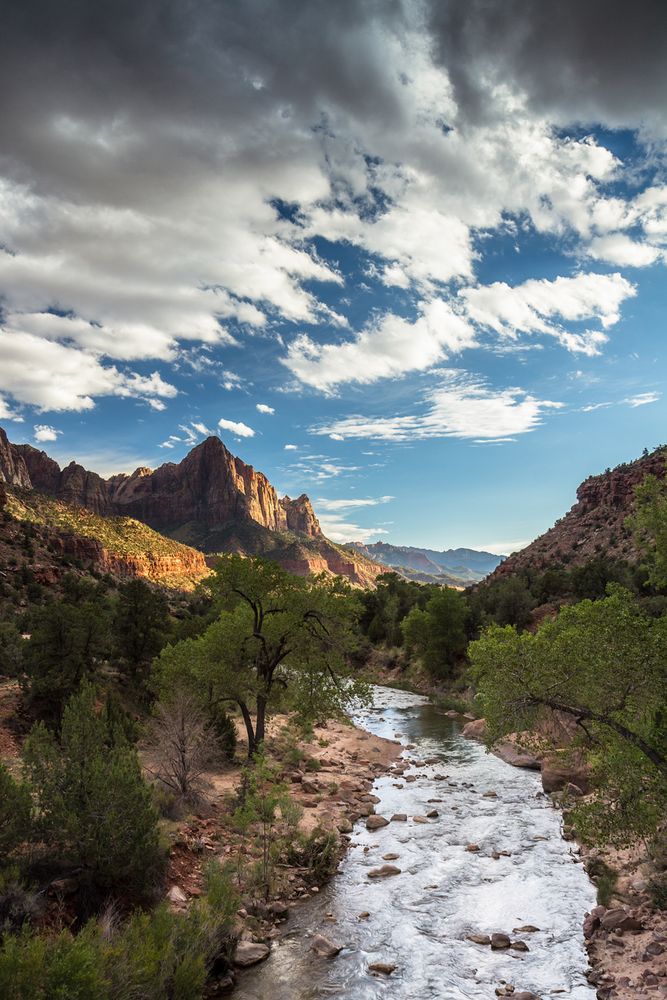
(384, 871)
(500, 941)
(619, 919)
(364, 915)
(419, 819)
(250, 953)
(376, 822)
(562, 767)
(384, 968)
(390, 857)
(526, 929)
(324, 947)
(475, 730)
(399, 818)
(519, 946)
(344, 825)
(479, 938)
(472, 848)
(432, 814)
(490, 795)
(511, 754)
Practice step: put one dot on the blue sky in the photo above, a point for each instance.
(434, 321)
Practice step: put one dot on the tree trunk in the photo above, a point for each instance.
(260, 721)
(252, 736)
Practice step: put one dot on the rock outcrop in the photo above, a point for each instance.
(595, 525)
(211, 500)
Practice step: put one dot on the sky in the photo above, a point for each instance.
(406, 256)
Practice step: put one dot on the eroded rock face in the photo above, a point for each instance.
(594, 526)
(211, 500)
(13, 469)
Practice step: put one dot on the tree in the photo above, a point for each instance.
(15, 806)
(11, 650)
(603, 663)
(649, 524)
(271, 629)
(438, 633)
(94, 808)
(67, 643)
(181, 743)
(140, 626)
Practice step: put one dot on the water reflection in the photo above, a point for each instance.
(419, 920)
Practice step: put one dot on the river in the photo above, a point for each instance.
(419, 920)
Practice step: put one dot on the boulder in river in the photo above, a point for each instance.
(472, 848)
(324, 947)
(526, 929)
(384, 871)
(475, 730)
(479, 938)
(384, 968)
(419, 819)
(500, 941)
(250, 953)
(376, 822)
(519, 946)
(399, 818)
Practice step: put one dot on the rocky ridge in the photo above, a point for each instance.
(594, 526)
(211, 500)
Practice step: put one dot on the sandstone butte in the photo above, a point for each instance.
(211, 501)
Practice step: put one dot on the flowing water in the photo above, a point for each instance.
(419, 919)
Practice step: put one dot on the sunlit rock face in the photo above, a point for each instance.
(211, 500)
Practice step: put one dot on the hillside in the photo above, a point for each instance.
(211, 501)
(594, 526)
(67, 536)
(451, 567)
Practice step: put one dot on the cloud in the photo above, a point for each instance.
(236, 427)
(6, 412)
(263, 408)
(52, 376)
(389, 347)
(461, 407)
(617, 248)
(44, 432)
(350, 504)
(291, 447)
(536, 306)
(338, 529)
(642, 399)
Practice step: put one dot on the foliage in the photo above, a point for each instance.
(318, 852)
(437, 633)
(15, 805)
(385, 607)
(140, 626)
(650, 527)
(278, 641)
(67, 643)
(266, 805)
(604, 664)
(94, 809)
(11, 650)
(156, 956)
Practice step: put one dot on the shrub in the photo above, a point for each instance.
(95, 810)
(14, 815)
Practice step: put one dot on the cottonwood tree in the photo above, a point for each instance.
(604, 664)
(437, 632)
(273, 632)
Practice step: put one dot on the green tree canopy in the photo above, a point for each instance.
(140, 626)
(649, 523)
(604, 664)
(277, 639)
(438, 632)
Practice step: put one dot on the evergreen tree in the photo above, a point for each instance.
(140, 626)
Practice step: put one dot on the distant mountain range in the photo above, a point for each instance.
(452, 567)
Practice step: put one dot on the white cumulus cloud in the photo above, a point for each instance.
(263, 408)
(236, 427)
(44, 432)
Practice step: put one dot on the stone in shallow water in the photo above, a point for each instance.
(250, 952)
(519, 946)
(390, 857)
(479, 938)
(384, 871)
(384, 968)
(526, 929)
(399, 818)
(324, 947)
(376, 822)
(499, 941)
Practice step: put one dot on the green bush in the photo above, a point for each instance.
(95, 810)
(14, 815)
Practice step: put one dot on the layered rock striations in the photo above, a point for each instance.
(595, 526)
(211, 500)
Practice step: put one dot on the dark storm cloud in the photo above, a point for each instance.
(578, 60)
